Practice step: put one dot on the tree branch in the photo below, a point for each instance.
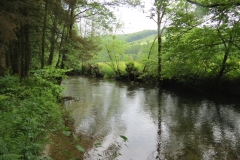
(214, 4)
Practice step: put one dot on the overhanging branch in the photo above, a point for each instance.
(214, 4)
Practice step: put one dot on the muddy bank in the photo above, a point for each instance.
(64, 143)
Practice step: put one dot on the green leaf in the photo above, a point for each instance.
(2, 97)
(75, 137)
(81, 149)
(66, 133)
(124, 138)
(97, 144)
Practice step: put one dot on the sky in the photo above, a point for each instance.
(135, 20)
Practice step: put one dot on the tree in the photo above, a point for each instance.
(215, 54)
(7, 32)
(112, 53)
(226, 16)
(44, 31)
(162, 10)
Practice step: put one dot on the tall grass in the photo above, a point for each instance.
(108, 71)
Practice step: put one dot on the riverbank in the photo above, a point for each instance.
(65, 144)
(225, 88)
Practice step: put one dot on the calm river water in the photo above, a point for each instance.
(157, 124)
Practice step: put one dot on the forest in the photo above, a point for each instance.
(196, 45)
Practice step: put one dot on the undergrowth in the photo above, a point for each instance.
(29, 113)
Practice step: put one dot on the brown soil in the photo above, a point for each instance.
(64, 147)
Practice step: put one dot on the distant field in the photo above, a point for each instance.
(145, 40)
(109, 72)
(137, 35)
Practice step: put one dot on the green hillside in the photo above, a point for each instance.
(137, 43)
(148, 39)
(138, 36)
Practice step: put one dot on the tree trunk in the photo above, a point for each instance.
(159, 46)
(3, 63)
(52, 42)
(71, 19)
(223, 65)
(22, 52)
(25, 58)
(27, 50)
(64, 53)
(15, 57)
(227, 45)
(149, 54)
(60, 49)
(44, 33)
(64, 58)
(8, 58)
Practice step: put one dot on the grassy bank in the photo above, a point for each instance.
(136, 71)
(121, 70)
(108, 69)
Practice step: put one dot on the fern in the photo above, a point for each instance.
(10, 157)
(3, 148)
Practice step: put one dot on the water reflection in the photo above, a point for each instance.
(158, 124)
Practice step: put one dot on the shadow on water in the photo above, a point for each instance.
(159, 124)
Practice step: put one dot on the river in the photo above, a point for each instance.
(156, 124)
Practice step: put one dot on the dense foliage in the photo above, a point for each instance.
(29, 113)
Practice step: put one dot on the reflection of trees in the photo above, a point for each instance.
(192, 128)
(151, 104)
(98, 113)
(159, 141)
(196, 125)
(226, 132)
(188, 127)
(103, 110)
